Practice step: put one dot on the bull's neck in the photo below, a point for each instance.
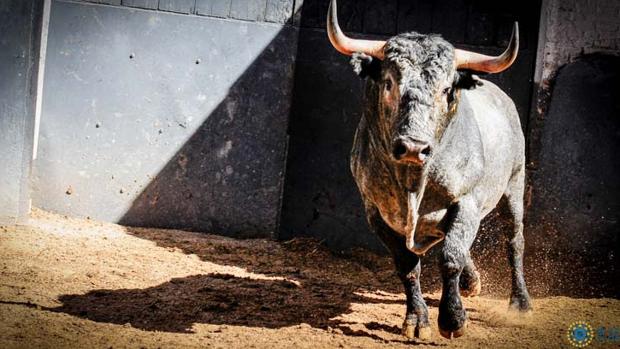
(448, 119)
(379, 148)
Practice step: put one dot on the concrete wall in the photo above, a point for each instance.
(320, 197)
(165, 119)
(568, 30)
(20, 26)
(576, 27)
(572, 223)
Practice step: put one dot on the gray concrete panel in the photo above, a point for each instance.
(279, 11)
(20, 23)
(157, 119)
(250, 10)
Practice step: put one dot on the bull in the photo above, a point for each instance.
(435, 151)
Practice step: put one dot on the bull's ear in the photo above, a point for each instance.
(366, 66)
(466, 79)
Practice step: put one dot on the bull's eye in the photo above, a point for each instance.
(446, 90)
(388, 85)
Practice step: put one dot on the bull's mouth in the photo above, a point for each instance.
(414, 163)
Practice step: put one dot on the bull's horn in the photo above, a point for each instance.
(489, 64)
(346, 45)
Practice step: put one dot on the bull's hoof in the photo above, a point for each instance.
(470, 286)
(453, 334)
(520, 304)
(452, 319)
(412, 331)
(423, 333)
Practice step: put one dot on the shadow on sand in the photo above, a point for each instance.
(316, 287)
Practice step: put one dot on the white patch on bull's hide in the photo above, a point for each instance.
(201, 97)
(412, 219)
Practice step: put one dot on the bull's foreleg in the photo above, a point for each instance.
(408, 266)
(469, 281)
(460, 233)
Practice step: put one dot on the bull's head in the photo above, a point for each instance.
(417, 79)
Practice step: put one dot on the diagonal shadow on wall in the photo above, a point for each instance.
(227, 177)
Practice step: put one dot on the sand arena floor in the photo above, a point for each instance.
(72, 283)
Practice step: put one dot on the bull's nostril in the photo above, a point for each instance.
(426, 151)
(399, 151)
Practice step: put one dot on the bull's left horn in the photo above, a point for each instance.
(489, 64)
(346, 45)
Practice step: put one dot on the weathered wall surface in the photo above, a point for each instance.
(20, 23)
(576, 27)
(573, 229)
(572, 219)
(273, 11)
(163, 119)
(320, 197)
(568, 30)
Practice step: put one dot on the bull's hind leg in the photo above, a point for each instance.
(408, 266)
(519, 298)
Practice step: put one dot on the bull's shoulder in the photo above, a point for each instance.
(498, 122)
(488, 100)
(501, 145)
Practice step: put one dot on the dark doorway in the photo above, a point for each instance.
(320, 197)
(576, 196)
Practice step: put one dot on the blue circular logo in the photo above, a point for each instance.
(580, 334)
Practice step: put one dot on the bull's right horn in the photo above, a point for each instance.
(346, 45)
(489, 64)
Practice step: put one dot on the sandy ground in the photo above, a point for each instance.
(69, 283)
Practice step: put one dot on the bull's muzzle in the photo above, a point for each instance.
(409, 151)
